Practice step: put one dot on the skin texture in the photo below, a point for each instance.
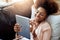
(40, 14)
(17, 27)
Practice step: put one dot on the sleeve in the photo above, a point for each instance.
(46, 27)
(47, 32)
(47, 35)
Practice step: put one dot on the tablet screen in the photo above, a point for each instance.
(24, 22)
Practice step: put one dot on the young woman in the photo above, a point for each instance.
(40, 28)
(49, 4)
(52, 8)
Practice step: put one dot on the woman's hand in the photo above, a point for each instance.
(32, 25)
(17, 27)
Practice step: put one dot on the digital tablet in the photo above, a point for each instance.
(24, 22)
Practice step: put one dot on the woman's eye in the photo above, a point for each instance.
(41, 14)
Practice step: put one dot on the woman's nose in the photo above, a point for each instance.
(37, 15)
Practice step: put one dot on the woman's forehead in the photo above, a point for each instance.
(41, 9)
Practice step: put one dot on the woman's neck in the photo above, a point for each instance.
(38, 22)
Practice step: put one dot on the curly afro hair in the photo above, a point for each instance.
(50, 7)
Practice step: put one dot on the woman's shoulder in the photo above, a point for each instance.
(46, 26)
(45, 23)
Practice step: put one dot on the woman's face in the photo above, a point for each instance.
(40, 14)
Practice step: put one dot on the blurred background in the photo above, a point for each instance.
(22, 7)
